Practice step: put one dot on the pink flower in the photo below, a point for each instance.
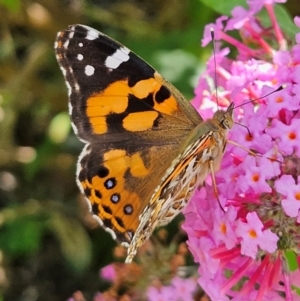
(184, 288)
(179, 290)
(252, 236)
(291, 195)
(164, 293)
(288, 135)
(108, 272)
(244, 252)
(224, 227)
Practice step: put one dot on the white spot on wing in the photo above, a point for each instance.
(66, 44)
(70, 109)
(89, 70)
(69, 88)
(80, 57)
(84, 153)
(71, 34)
(116, 59)
(75, 130)
(98, 219)
(112, 233)
(125, 244)
(63, 70)
(80, 44)
(76, 86)
(92, 35)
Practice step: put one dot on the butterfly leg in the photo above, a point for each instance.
(251, 152)
(243, 148)
(211, 167)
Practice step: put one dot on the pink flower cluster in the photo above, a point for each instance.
(179, 290)
(252, 251)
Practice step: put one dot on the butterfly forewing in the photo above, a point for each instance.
(112, 90)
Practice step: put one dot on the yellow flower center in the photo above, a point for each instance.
(252, 233)
(223, 228)
(255, 177)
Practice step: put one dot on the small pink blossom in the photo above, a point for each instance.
(108, 272)
(224, 227)
(160, 294)
(184, 288)
(291, 194)
(288, 135)
(252, 236)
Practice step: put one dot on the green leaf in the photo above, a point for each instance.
(21, 236)
(291, 260)
(296, 289)
(285, 21)
(74, 241)
(59, 128)
(223, 7)
(12, 5)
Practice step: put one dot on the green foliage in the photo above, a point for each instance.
(285, 21)
(23, 227)
(223, 7)
(291, 260)
(12, 5)
(21, 236)
(59, 128)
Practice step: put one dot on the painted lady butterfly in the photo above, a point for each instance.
(146, 147)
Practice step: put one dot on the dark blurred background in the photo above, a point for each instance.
(49, 245)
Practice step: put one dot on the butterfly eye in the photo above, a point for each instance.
(227, 122)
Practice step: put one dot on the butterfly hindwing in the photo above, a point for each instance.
(118, 183)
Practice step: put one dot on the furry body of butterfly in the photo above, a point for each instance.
(146, 148)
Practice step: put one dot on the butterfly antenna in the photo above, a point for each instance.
(212, 34)
(249, 133)
(252, 100)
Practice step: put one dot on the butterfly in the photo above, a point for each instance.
(146, 147)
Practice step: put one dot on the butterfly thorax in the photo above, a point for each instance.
(204, 145)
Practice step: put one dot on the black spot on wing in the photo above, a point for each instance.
(162, 94)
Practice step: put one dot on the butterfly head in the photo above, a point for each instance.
(225, 118)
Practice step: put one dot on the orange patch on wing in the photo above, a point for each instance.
(115, 153)
(117, 162)
(140, 121)
(144, 87)
(168, 106)
(152, 85)
(138, 168)
(103, 214)
(131, 222)
(99, 124)
(114, 99)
